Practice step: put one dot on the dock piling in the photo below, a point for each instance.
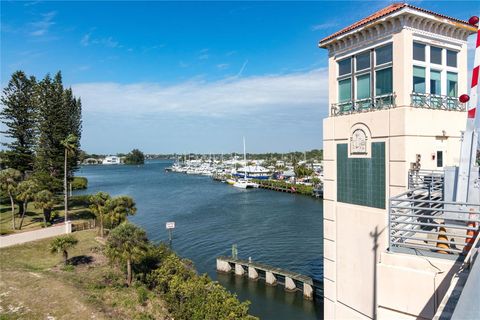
(252, 273)
(239, 271)
(289, 284)
(273, 275)
(223, 266)
(307, 291)
(270, 278)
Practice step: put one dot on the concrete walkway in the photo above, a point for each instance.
(18, 238)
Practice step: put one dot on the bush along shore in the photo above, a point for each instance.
(112, 272)
(280, 185)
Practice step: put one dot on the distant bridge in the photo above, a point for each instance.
(291, 280)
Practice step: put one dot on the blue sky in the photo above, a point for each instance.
(188, 77)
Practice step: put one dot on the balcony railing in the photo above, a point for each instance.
(418, 100)
(433, 101)
(421, 221)
(362, 105)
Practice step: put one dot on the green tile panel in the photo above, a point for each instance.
(361, 181)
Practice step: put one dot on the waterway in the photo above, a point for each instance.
(279, 229)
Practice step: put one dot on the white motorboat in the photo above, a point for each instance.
(245, 184)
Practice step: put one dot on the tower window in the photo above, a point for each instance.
(451, 58)
(452, 87)
(418, 51)
(418, 79)
(436, 55)
(435, 82)
(345, 66)
(383, 54)
(363, 61)
(383, 81)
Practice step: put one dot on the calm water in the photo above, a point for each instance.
(279, 229)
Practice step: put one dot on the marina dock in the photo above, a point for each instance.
(291, 280)
(266, 185)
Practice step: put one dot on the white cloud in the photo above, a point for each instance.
(183, 64)
(203, 54)
(85, 41)
(109, 42)
(235, 96)
(223, 66)
(41, 27)
(323, 26)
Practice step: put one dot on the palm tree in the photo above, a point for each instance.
(98, 202)
(62, 244)
(127, 243)
(117, 209)
(9, 179)
(70, 145)
(45, 200)
(26, 191)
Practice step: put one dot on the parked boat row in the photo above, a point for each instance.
(244, 174)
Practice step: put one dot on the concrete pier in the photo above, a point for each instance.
(223, 266)
(293, 281)
(307, 291)
(252, 273)
(239, 271)
(289, 284)
(270, 278)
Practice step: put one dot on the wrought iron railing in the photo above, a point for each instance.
(421, 221)
(434, 101)
(362, 105)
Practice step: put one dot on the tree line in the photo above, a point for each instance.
(43, 121)
(157, 270)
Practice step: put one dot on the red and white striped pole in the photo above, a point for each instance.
(468, 149)
(475, 73)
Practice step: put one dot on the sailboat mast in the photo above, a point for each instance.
(244, 160)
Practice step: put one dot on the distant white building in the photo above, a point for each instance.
(111, 160)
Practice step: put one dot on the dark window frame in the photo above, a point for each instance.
(439, 159)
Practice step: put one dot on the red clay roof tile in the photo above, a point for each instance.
(383, 12)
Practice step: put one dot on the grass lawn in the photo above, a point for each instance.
(35, 285)
(78, 212)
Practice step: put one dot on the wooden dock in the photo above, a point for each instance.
(264, 185)
(292, 281)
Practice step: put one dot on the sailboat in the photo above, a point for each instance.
(244, 183)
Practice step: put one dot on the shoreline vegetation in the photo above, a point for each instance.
(280, 184)
(123, 275)
(119, 274)
(314, 154)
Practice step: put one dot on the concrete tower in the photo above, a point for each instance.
(394, 81)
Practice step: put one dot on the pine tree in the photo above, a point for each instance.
(19, 117)
(51, 123)
(60, 115)
(73, 108)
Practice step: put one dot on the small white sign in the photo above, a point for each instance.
(170, 225)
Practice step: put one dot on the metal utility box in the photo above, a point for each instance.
(450, 189)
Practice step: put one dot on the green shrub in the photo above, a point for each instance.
(142, 295)
(79, 200)
(79, 183)
(68, 268)
(300, 188)
(190, 296)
